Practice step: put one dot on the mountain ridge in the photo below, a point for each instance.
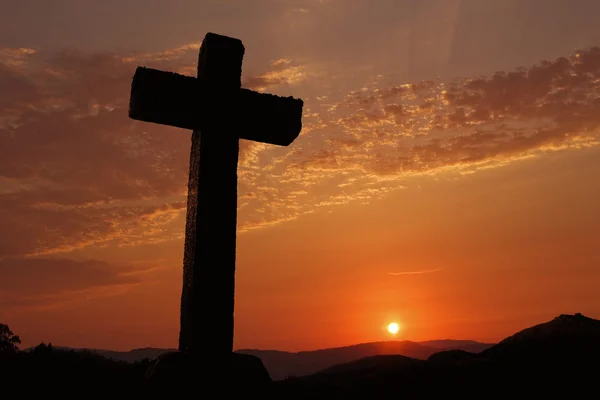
(557, 358)
(533, 343)
(282, 364)
(546, 360)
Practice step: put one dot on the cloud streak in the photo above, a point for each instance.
(419, 272)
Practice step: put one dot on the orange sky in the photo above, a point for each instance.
(445, 177)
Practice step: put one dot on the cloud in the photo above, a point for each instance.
(29, 276)
(419, 272)
(75, 171)
(365, 143)
(436, 125)
(282, 72)
(37, 282)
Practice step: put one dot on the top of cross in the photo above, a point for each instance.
(215, 99)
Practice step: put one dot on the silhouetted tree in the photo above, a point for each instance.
(42, 349)
(9, 342)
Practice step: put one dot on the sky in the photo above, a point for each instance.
(446, 177)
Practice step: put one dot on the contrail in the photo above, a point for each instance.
(423, 271)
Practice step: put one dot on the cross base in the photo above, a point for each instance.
(178, 372)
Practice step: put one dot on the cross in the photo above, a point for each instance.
(219, 112)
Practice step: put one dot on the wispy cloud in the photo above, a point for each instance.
(419, 272)
(75, 171)
(282, 72)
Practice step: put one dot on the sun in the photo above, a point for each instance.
(393, 328)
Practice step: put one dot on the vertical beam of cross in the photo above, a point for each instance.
(219, 112)
(207, 302)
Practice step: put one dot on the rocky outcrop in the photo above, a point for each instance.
(178, 372)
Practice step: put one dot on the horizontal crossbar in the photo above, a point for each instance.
(172, 99)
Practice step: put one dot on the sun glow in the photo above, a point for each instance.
(393, 328)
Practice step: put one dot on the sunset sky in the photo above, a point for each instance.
(447, 176)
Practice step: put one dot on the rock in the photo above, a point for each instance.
(250, 371)
(175, 372)
(170, 369)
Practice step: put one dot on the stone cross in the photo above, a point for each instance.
(219, 112)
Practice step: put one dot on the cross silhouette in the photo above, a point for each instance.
(219, 112)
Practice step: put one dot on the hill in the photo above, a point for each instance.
(283, 364)
(46, 370)
(552, 358)
(449, 344)
(566, 337)
(557, 358)
(131, 356)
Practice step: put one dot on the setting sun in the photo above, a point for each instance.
(393, 328)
